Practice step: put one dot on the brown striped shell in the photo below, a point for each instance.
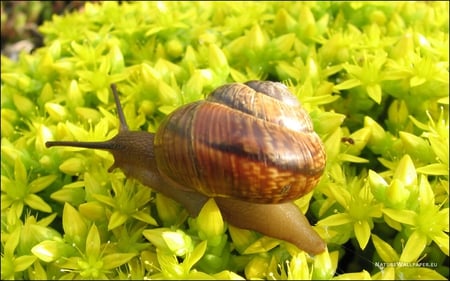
(251, 141)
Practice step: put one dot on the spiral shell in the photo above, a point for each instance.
(251, 141)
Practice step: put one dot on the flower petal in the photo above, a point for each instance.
(414, 247)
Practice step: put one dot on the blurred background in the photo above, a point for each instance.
(20, 19)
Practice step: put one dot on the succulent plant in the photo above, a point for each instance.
(373, 75)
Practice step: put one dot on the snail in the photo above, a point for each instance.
(250, 146)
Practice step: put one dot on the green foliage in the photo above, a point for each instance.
(373, 75)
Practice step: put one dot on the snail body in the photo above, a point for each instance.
(249, 146)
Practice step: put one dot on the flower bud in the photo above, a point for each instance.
(217, 59)
(397, 195)
(23, 104)
(417, 147)
(210, 223)
(257, 268)
(398, 114)
(56, 111)
(283, 22)
(170, 242)
(50, 250)
(73, 166)
(168, 210)
(406, 172)
(74, 226)
(378, 186)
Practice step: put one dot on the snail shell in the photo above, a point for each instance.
(251, 141)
